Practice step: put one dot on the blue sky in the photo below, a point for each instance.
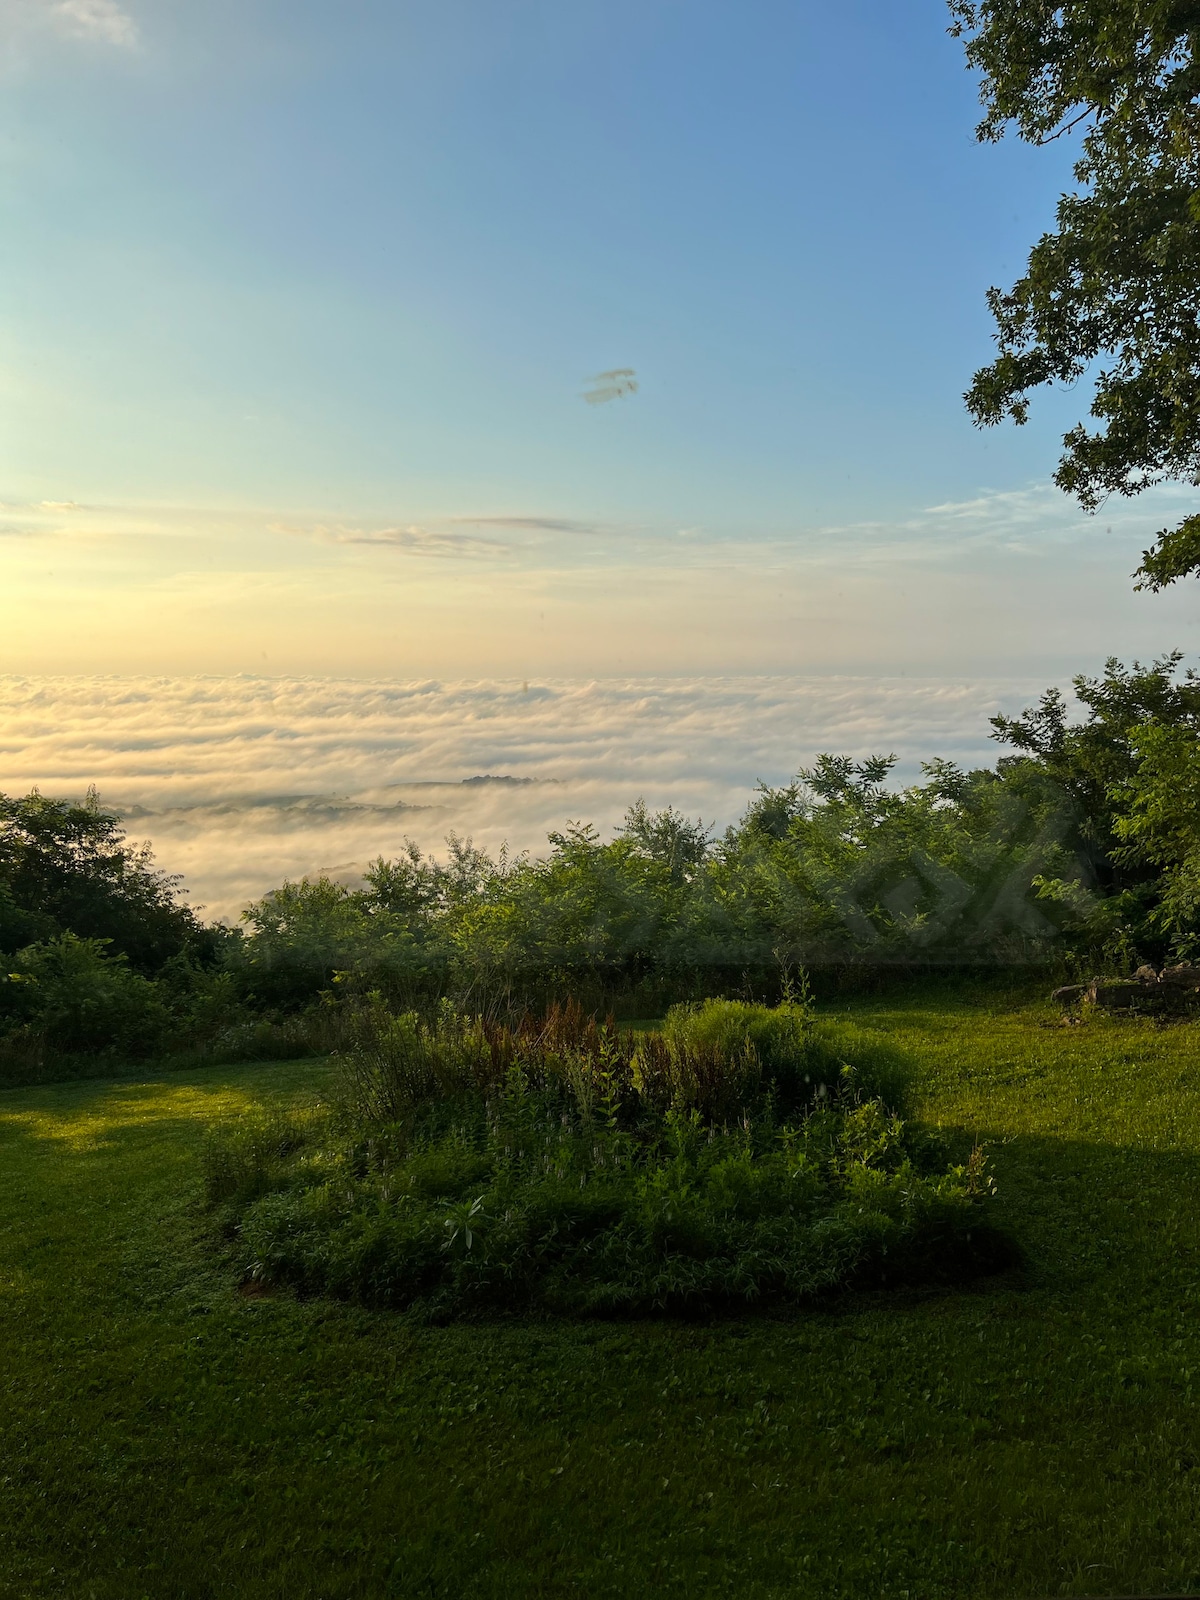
(300, 303)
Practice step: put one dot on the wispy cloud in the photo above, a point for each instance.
(411, 540)
(46, 518)
(531, 524)
(93, 19)
(23, 522)
(1036, 521)
(615, 384)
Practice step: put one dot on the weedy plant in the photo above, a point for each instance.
(742, 1154)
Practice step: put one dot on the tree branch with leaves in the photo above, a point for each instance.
(1115, 289)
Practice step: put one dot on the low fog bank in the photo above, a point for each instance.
(242, 782)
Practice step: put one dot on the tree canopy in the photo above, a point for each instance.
(69, 868)
(1114, 290)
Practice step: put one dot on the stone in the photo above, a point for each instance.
(1069, 993)
(1117, 995)
(1183, 976)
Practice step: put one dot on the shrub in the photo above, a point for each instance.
(722, 1055)
(76, 997)
(69, 1008)
(397, 1064)
(471, 1166)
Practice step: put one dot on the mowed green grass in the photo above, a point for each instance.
(162, 1435)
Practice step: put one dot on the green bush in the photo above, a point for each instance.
(724, 1054)
(76, 997)
(397, 1064)
(69, 1008)
(471, 1167)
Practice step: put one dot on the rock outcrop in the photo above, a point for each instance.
(1173, 989)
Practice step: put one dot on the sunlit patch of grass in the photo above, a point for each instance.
(96, 1116)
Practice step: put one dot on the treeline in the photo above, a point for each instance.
(1081, 843)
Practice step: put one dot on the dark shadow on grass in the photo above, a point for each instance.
(95, 1071)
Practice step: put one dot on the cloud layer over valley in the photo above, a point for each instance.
(240, 782)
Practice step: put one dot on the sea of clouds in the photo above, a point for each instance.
(242, 782)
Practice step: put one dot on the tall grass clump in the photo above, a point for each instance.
(744, 1154)
(722, 1056)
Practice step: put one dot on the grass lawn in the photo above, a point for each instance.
(165, 1436)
